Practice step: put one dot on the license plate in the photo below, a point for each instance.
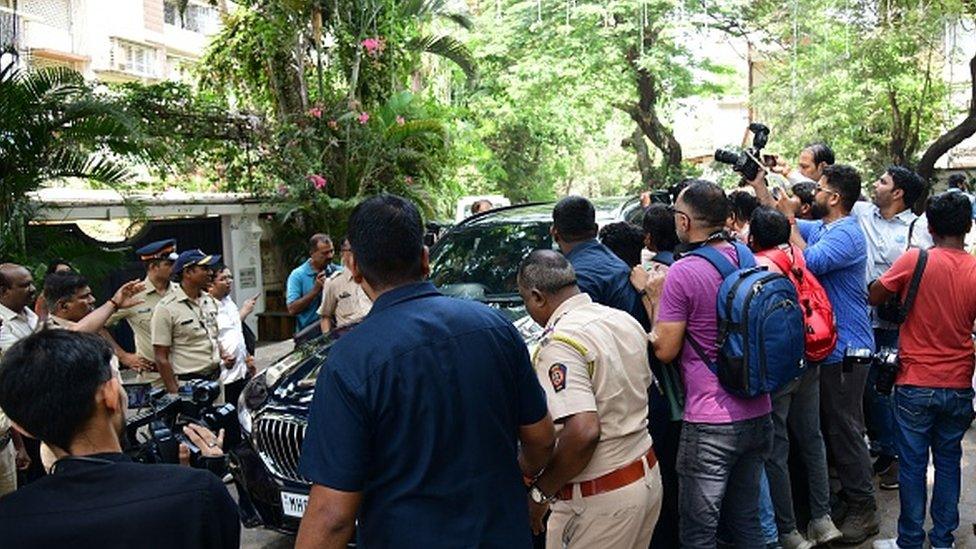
(294, 504)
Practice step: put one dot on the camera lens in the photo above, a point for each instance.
(726, 157)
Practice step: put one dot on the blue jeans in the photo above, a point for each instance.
(936, 419)
(767, 518)
(877, 407)
(719, 467)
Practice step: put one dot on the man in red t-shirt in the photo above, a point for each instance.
(933, 397)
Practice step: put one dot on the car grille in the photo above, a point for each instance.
(279, 443)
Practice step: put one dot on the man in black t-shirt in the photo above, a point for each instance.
(60, 387)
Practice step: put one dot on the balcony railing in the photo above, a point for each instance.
(11, 31)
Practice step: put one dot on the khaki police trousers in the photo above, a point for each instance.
(8, 469)
(620, 519)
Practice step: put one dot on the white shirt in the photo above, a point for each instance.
(230, 334)
(13, 328)
(886, 240)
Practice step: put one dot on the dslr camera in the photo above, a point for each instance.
(154, 435)
(745, 162)
(885, 360)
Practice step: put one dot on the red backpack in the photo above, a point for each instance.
(818, 315)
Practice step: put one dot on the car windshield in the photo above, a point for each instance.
(481, 261)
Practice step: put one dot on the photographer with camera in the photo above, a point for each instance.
(835, 251)
(60, 386)
(933, 394)
(814, 158)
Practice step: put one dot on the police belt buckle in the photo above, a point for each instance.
(624, 476)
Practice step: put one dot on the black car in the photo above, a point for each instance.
(476, 259)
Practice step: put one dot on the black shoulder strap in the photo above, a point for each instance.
(911, 229)
(923, 257)
(700, 351)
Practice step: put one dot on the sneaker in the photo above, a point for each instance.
(889, 479)
(860, 523)
(794, 540)
(822, 530)
(885, 544)
(883, 463)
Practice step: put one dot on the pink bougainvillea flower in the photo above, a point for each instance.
(363, 117)
(374, 46)
(282, 190)
(333, 124)
(400, 121)
(408, 180)
(318, 181)
(315, 112)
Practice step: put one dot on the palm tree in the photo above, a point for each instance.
(53, 126)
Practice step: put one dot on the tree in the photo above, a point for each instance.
(862, 75)
(565, 84)
(53, 126)
(955, 135)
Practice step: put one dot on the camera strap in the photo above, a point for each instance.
(923, 256)
(682, 250)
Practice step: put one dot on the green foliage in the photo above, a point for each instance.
(553, 76)
(198, 141)
(862, 75)
(54, 126)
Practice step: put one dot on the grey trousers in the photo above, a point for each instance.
(719, 467)
(842, 418)
(796, 408)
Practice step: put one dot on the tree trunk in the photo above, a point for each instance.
(644, 163)
(953, 137)
(644, 112)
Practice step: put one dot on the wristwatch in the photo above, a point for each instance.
(537, 496)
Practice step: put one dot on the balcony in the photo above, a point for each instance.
(11, 30)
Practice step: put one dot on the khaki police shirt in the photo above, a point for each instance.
(593, 358)
(189, 328)
(344, 300)
(13, 327)
(139, 318)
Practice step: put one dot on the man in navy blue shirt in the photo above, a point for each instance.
(835, 251)
(418, 413)
(599, 272)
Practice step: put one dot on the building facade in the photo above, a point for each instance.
(109, 40)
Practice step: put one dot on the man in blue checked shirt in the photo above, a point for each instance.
(835, 251)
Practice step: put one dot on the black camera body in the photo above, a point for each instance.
(161, 424)
(885, 360)
(744, 162)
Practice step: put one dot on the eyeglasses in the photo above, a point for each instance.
(674, 210)
(819, 188)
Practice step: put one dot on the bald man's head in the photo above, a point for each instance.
(16, 287)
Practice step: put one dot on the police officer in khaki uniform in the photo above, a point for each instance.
(343, 300)
(158, 257)
(17, 321)
(184, 324)
(602, 482)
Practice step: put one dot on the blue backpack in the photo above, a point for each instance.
(760, 333)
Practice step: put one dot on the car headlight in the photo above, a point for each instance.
(255, 394)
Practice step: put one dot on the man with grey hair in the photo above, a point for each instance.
(592, 362)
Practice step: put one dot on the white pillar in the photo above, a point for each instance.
(242, 253)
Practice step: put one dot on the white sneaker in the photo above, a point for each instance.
(885, 544)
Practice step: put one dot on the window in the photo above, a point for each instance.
(135, 59)
(171, 13)
(200, 19)
(196, 18)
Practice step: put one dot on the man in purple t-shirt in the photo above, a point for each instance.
(724, 438)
